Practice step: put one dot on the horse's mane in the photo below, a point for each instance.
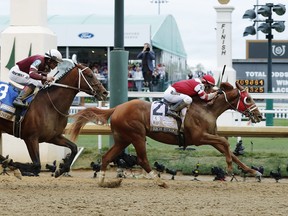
(225, 86)
(63, 68)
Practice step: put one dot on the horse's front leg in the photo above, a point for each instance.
(33, 150)
(236, 160)
(221, 144)
(62, 141)
(245, 168)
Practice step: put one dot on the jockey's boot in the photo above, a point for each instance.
(175, 109)
(25, 92)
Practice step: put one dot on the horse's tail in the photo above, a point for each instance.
(93, 114)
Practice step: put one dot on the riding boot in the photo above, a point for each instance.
(175, 109)
(25, 92)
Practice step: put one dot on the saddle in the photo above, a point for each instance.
(8, 92)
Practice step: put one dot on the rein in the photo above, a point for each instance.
(80, 73)
(61, 113)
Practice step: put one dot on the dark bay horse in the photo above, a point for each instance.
(130, 123)
(47, 115)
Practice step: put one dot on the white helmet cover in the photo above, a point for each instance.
(54, 55)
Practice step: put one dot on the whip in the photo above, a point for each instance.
(223, 71)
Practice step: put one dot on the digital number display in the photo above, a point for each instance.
(254, 86)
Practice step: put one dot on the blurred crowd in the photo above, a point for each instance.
(135, 77)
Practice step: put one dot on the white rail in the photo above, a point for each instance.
(279, 112)
(147, 94)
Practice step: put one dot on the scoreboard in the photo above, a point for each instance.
(253, 85)
(252, 72)
(254, 76)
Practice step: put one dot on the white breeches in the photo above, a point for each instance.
(20, 77)
(172, 96)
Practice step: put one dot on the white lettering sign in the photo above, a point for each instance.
(255, 74)
(223, 39)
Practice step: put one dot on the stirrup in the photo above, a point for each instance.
(19, 103)
(173, 114)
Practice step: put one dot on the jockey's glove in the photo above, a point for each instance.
(219, 91)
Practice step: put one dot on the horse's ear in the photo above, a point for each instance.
(241, 88)
(74, 59)
(226, 86)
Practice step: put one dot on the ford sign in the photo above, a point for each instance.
(86, 35)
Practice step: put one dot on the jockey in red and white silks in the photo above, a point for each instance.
(185, 89)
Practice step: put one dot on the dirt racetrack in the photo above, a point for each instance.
(81, 195)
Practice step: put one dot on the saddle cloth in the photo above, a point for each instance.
(159, 122)
(8, 92)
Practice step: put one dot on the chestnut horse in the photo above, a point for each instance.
(130, 123)
(47, 115)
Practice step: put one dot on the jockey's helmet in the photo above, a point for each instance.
(208, 79)
(54, 54)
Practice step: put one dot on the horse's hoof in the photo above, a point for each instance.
(258, 176)
(7, 162)
(17, 174)
(164, 185)
(160, 183)
(58, 173)
(110, 184)
(61, 171)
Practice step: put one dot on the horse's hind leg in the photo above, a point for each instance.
(142, 159)
(139, 144)
(112, 153)
(108, 157)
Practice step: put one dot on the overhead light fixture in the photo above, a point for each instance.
(264, 27)
(278, 26)
(249, 30)
(264, 11)
(279, 9)
(249, 14)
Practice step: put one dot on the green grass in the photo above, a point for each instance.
(267, 152)
(280, 122)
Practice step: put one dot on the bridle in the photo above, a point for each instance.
(242, 104)
(80, 74)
